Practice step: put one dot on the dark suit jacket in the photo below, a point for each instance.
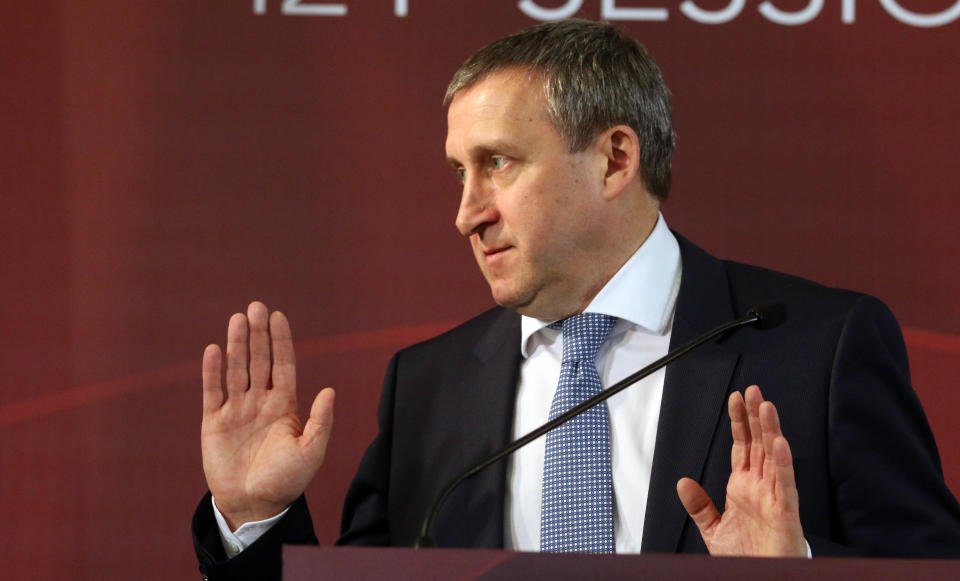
(868, 472)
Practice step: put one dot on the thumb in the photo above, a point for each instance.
(316, 432)
(698, 505)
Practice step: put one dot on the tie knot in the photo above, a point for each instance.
(583, 334)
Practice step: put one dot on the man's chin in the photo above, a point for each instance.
(511, 298)
(527, 306)
(539, 305)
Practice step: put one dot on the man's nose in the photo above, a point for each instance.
(477, 206)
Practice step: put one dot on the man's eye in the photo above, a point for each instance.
(462, 173)
(498, 162)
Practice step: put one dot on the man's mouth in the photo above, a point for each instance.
(494, 251)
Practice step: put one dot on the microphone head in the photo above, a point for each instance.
(769, 315)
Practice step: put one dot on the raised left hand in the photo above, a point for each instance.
(761, 516)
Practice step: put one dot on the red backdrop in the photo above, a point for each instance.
(163, 163)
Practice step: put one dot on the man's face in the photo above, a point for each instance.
(531, 208)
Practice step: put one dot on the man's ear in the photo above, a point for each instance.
(621, 148)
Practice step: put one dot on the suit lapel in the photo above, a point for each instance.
(694, 395)
(486, 418)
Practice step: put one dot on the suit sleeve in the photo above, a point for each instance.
(887, 479)
(261, 561)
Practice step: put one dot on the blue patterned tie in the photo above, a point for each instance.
(577, 507)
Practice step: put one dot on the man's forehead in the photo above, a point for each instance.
(507, 86)
(494, 122)
(520, 74)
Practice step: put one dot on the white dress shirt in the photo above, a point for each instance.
(642, 295)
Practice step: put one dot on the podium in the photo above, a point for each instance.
(310, 563)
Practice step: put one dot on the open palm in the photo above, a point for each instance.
(257, 456)
(761, 515)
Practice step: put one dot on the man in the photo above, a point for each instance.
(561, 135)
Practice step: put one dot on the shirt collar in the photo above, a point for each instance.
(643, 292)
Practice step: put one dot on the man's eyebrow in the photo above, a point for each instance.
(483, 151)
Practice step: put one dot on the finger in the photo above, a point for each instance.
(779, 463)
(259, 345)
(284, 361)
(212, 387)
(740, 452)
(786, 486)
(753, 399)
(770, 425)
(316, 432)
(699, 506)
(237, 379)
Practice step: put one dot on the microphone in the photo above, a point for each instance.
(764, 316)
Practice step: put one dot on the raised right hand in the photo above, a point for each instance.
(257, 456)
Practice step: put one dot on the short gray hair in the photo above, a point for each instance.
(595, 77)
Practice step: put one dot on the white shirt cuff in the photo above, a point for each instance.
(236, 541)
